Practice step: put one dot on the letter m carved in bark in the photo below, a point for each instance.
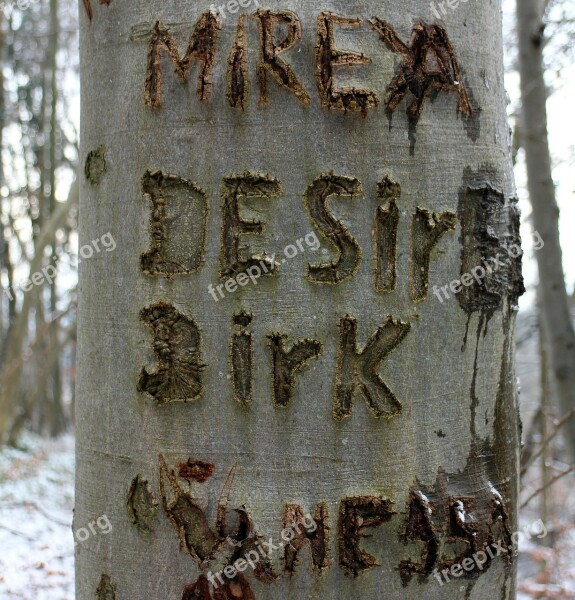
(202, 46)
(357, 371)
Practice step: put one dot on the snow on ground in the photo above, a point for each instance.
(548, 571)
(36, 502)
(37, 545)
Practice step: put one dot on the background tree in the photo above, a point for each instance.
(554, 302)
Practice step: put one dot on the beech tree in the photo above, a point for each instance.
(553, 296)
(295, 372)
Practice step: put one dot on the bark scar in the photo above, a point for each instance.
(142, 504)
(88, 7)
(106, 590)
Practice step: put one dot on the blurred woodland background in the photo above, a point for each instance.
(39, 127)
(39, 116)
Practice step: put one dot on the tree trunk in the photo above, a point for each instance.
(273, 352)
(545, 216)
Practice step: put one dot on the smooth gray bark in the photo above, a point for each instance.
(429, 457)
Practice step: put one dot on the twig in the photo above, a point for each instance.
(40, 510)
(547, 441)
(548, 484)
(18, 533)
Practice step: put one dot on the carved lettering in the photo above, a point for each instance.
(177, 346)
(270, 62)
(428, 65)
(201, 47)
(178, 222)
(419, 527)
(238, 68)
(327, 57)
(356, 514)
(317, 536)
(316, 199)
(286, 363)
(234, 191)
(242, 356)
(357, 370)
(426, 231)
(386, 223)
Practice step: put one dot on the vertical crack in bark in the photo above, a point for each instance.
(491, 252)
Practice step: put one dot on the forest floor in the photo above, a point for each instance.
(37, 558)
(36, 503)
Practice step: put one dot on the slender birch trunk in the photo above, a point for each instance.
(284, 390)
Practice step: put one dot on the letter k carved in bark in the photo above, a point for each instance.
(357, 370)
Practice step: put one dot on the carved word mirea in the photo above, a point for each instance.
(427, 63)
